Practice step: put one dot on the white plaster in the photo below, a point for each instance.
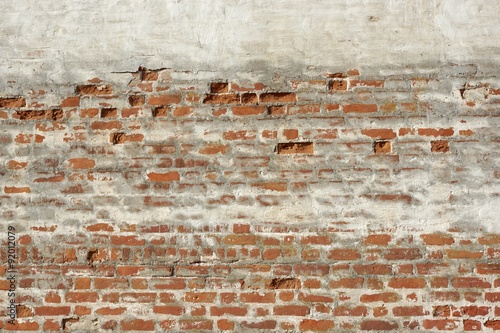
(47, 41)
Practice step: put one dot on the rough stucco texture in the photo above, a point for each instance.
(330, 202)
(68, 41)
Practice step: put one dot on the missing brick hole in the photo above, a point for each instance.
(219, 87)
(117, 138)
(92, 255)
(161, 111)
(440, 146)
(66, 322)
(295, 148)
(109, 113)
(285, 283)
(382, 147)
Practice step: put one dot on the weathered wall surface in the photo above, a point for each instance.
(333, 202)
(62, 41)
(308, 166)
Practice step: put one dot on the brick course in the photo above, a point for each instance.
(328, 203)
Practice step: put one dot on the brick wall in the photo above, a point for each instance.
(329, 202)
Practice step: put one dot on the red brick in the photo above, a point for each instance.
(291, 134)
(110, 283)
(323, 325)
(169, 310)
(348, 283)
(102, 89)
(211, 149)
(260, 325)
(337, 85)
(238, 239)
(222, 99)
(433, 269)
(435, 131)
(440, 146)
(225, 325)
(443, 296)
(360, 108)
(295, 148)
(440, 324)
(291, 310)
(52, 310)
(344, 254)
(460, 254)
(195, 324)
(105, 125)
(228, 310)
(249, 110)
(284, 283)
(311, 270)
(409, 311)
(182, 111)
(469, 282)
(493, 324)
(311, 298)
(491, 239)
(474, 311)
(278, 97)
(12, 102)
(367, 83)
(382, 239)
(127, 240)
(239, 135)
(164, 177)
(378, 325)
(350, 311)
(50, 325)
(81, 297)
(437, 239)
(136, 100)
(81, 163)
(403, 254)
(317, 240)
(137, 325)
(164, 99)
(200, 297)
(219, 87)
(409, 283)
(373, 269)
(493, 268)
(386, 297)
(22, 326)
(257, 297)
(14, 189)
(107, 311)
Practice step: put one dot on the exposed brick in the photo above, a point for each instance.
(382, 133)
(382, 147)
(291, 310)
(279, 97)
(360, 108)
(440, 146)
(163, 99)
(324, 325)
(378, 325)
(12, 102)
(437, 239)
(137, 325)
(295, 148)
(101, 89)
(164, 177)
(219, 87)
